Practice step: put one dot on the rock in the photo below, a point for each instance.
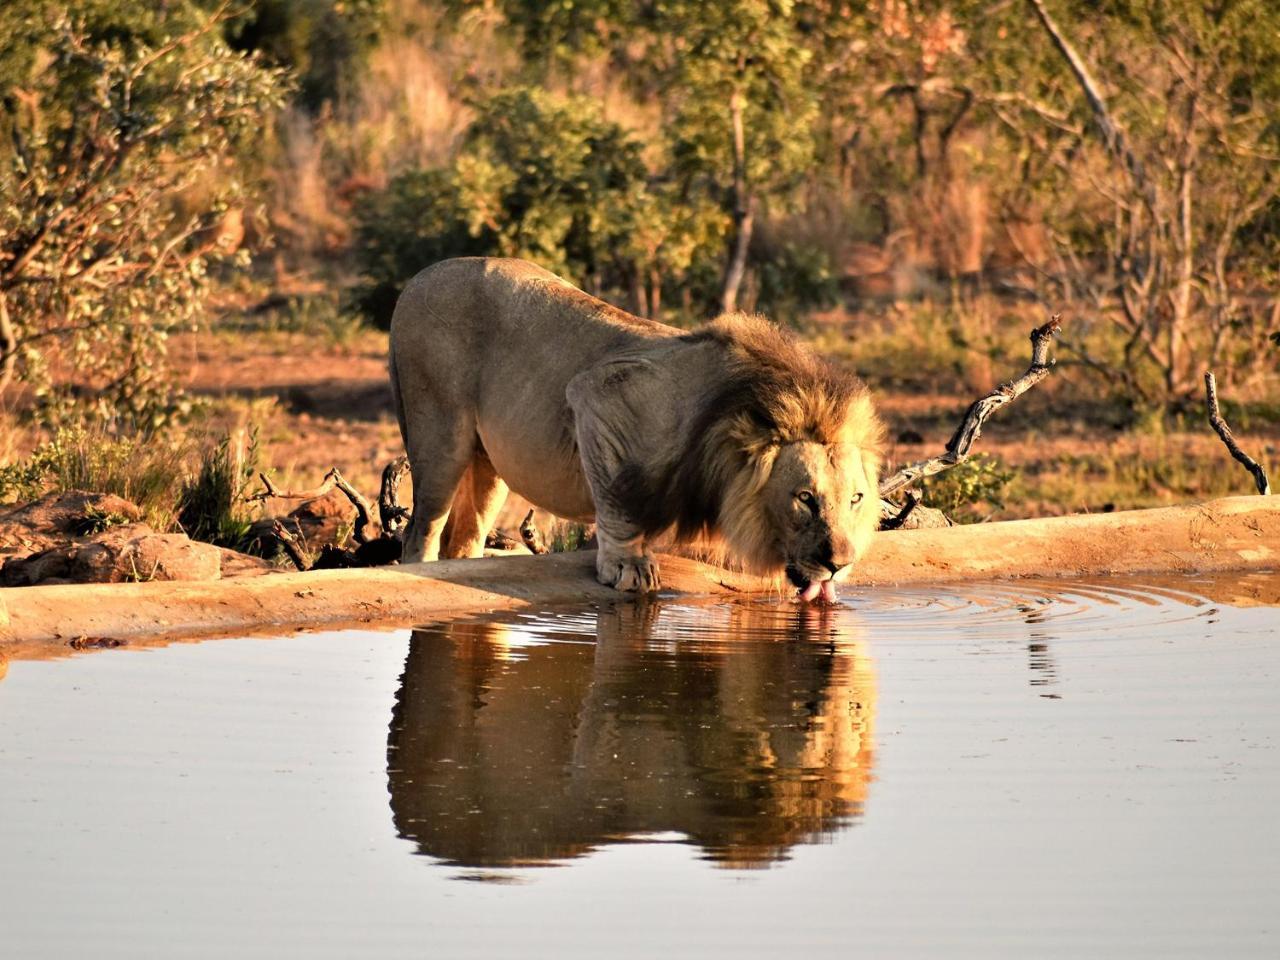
(53, 518)
(920, 518)
(129, 553)
(235, 564)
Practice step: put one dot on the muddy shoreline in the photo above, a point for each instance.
(1235, 533)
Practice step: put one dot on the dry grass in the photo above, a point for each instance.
(408, 111)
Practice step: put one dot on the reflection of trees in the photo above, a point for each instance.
(504, 755)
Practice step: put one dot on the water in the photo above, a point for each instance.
(1025, 769)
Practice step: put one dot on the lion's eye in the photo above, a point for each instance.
(805, 497)
(857, 499)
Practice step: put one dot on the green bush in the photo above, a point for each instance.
(120, 124)
(144, 470)
(326, 43)
(416, 221)
(981, 479)
(211, 504)
(545, 178)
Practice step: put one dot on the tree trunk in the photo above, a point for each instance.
(638, 297)
(1186, 277)
(8, 346)
(744, 203)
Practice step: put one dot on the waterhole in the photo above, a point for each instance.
(1000, 769)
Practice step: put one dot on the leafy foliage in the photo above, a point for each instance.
(540, 177)
(211, 504)
(325, 43)
(111, 115)
(981, 479)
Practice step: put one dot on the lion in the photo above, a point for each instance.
(506, 377)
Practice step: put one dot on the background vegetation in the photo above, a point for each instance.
(910, 184)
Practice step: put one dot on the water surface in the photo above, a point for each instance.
(1018, 769)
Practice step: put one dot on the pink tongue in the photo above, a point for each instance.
(829, 591)
(811, 591)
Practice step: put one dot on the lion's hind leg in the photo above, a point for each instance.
(476, 503)
(438, 459)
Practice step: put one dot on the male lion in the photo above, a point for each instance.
(506, 376)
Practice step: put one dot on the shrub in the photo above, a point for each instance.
(211, 504)
(144, 470)
(112, 116)
(546, 178)
(979, 480)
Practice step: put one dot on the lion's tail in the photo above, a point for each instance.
(397, 398)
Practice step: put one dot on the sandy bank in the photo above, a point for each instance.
(1236, 533)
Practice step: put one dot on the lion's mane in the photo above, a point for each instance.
(776, 391)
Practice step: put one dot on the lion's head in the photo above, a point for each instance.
(786, 459)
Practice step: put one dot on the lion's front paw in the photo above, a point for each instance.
(629, 574)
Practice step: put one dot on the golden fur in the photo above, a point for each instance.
(505, 376)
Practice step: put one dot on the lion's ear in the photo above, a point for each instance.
(871, 467)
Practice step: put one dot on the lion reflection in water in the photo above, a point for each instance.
(504, 752)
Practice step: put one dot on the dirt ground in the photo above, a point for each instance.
(320, 402)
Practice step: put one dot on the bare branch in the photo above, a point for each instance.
(333, 479)
(896, 522)
(270, 490)
(391, 514)
(530, 535)
(292, 546)
(970, 428)
(1112, 133)
(1224, 433)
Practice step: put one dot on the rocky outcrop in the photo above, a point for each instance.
(55, 517)
(78, 537)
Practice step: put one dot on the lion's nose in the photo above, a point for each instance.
(836, 554)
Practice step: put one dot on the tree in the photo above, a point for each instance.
(324, 42)
(1156, 131)
(110, 115)
(738, 112)
(742, 114)
(542, 177)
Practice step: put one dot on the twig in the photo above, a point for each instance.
(333, 479)
(291, 546)
(1224, 433)
(270, 490)
(530, 535)
(392, 515)
(970, 428)
(497, 540)
(1113, 136)
(896, 522)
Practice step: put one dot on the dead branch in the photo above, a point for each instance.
(530, 535)
(333, 479)
(1224, 433)
(896, 522)
(497, 540)
(291, 546)
(392, 515)
(1113, 136)
(970, 428)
